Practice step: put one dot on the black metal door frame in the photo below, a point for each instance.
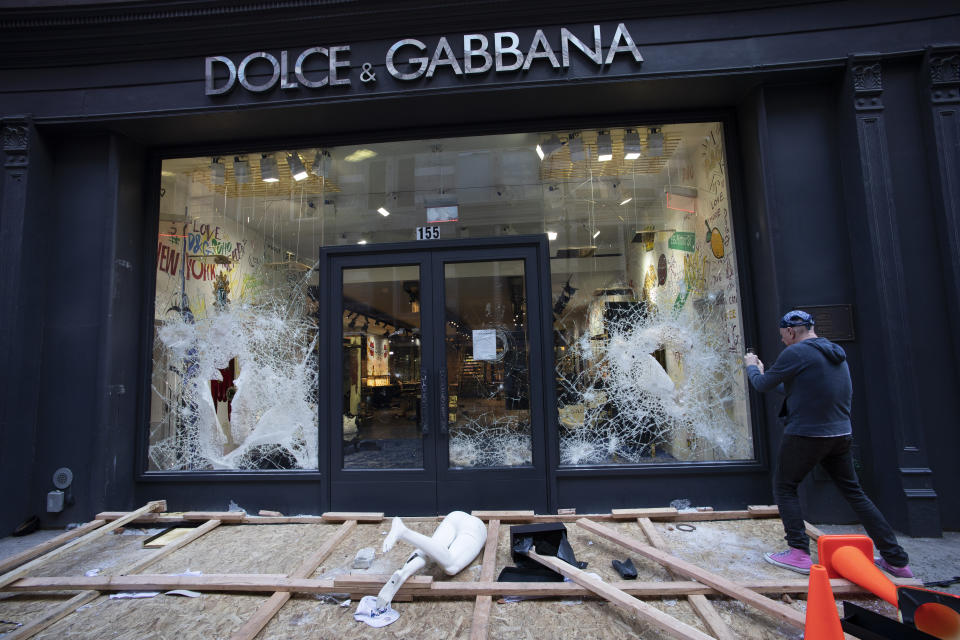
(408, 491)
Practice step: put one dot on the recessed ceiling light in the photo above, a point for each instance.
(383, 212)
(626, 201)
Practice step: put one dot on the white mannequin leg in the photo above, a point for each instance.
(435, 547)
(413, 564)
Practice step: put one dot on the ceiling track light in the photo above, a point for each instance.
(549, 146)
(604, 147)
(577, 152)
(631, 145)
(217, 171)
(241, 170)
(297, 170)
(268, 168)
(655, 142)
(321, 164)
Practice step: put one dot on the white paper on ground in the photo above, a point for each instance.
(133, 594)
(367, 613)
(183, 592)
(91, 573)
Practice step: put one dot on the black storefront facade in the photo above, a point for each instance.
(839, 145)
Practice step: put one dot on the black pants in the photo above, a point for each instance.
(798, 456)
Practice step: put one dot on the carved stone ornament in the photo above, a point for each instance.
(15, 137)
(944, 76)
(867, 77)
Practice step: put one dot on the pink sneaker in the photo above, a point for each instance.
(897, 572)
(792, 559)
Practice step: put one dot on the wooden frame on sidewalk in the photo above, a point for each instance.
(281, 586)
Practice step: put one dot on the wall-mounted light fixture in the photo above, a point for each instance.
(631, 145)
(241, 170)
(268, 168)
(297, 170)
(217, 171)
(604, 147)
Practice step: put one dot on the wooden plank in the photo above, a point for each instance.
(371, 584)
(222, 516)
(763, 510)
(154, 558)
(699, 602)
(698, 516)
(345, 516)
(97, 533)
(812, 531)
(777, 610)
(364, 582)
(51, 615)
(479, 629)
(52, 543)
(56, 613)
(647, 613)
(273, 604)
(630, 514)
(505, 516)
(286, 520)
(170, 535)
(268, 513)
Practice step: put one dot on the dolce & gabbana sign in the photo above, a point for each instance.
(411, 59)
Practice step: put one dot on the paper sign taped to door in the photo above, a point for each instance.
(484, 344)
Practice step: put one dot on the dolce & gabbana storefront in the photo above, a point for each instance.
(348, 260)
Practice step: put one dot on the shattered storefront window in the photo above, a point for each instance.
(234, 381)
(647, 331)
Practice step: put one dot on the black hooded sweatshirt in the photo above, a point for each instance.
(816, 381)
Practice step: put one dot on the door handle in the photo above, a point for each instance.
(444, 406)
(424, 405)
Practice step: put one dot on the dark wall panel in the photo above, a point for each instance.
(927, 309)
(809, 249)
(72, 259)
(24, 225)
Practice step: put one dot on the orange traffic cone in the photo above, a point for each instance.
(858, 568)
(822, 621)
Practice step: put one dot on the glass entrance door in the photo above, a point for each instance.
(440, 398)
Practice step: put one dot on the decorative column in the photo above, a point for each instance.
(20, 335)
(942, 67)
(875, 196)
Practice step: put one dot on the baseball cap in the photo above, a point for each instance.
(796, 318)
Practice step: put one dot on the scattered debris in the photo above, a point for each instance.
(626, 569)
(368, 613)
(133, 595)
(364, 558)
(269, 514)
